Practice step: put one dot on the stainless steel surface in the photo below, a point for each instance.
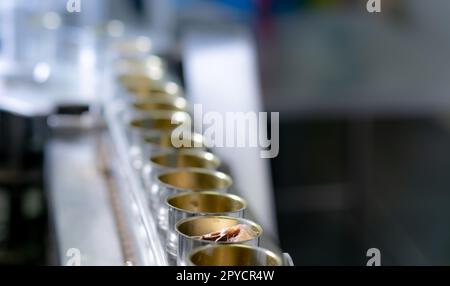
(287, 259)
(79, 202)
(189, 229)
(144, 228)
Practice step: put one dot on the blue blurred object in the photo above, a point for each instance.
(274, 7)
(244, 5)
(253, 7)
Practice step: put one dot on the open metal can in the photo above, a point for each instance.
(141, 126)
(170, 160)
(164, 141)
(186, 180)
(191, 230)
(160, 103)
(144, 82)
(157, 88)
(233, 255)
(192, 204)
(130, 107)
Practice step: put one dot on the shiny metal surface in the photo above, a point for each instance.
(141, 84)
(142, 76)
(160, 103)
(145, 233)
(141, 81)
(79, 203)
(192, 204)
(162, 141)
(186, 158)
(233, 255)
(187, 179)
(166, 88)
(163, 121)
(206, 202)
(170, 160)
(188, 229)
(157, 108)
(139, 126)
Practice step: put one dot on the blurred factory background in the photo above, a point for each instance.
(363, 102)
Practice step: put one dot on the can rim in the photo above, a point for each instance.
(231, 196)
(246, 221)
(254, 248)
(216, 162)
(215, 173)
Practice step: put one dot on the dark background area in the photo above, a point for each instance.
(23, 218)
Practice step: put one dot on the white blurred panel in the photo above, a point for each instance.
(221, 74)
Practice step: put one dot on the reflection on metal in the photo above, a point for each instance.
(79, 203)
(149, 247)
(233, 255)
